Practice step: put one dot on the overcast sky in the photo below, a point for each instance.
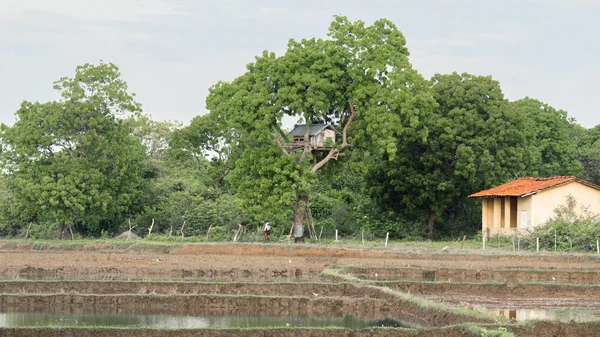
(171, 51)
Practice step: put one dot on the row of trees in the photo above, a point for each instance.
(410, 149)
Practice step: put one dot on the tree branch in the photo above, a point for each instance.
(283, 135)
(306, 143)
(333, 153)
(66, 148)
(345, 132)
(280, 146)
(336, 151)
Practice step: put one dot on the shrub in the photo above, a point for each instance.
(572, 231)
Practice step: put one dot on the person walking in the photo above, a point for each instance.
(267, 234)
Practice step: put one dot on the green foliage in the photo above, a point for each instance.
(205, 137)
(39, 231)
(337, 198)
(490, 332)
(269, 183)
(473, 142)
(72, 161)
(575, 229)
(554, 151)
(362, 68)
(588, 152)
(462, 218)
(182, 183)
(154, 135)
(181, 193)
(9, 221)
(220, 233)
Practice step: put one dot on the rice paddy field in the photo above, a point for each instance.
(118, 288)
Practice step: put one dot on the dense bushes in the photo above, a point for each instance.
(573, 231)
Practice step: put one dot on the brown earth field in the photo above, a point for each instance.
(248, 262)
(423, 288)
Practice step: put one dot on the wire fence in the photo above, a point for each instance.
(537, 241)
(522, 242)
(543, 242)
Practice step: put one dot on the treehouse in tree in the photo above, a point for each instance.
(320, 136)
(357, 68)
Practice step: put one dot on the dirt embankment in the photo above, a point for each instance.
(556, 329)
(149, 272)
(178, 288)
(193, 297)
(197, 304)
(452, 332)
(499, 290)
(510, 276)
(562, 295)
(362, 301)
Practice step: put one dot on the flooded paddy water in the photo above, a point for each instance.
(242, 320)
(557, 315)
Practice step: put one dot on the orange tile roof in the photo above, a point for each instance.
(523, 186)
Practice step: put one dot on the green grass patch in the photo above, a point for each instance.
(471, 247)
(489, 332)
(487, 283)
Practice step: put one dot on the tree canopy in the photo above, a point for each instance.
(73, 161)
(360, 72)
(474, 141)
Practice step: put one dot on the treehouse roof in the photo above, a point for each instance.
(315, 129)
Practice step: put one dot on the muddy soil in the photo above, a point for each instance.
(450, 332)
(542, 296)
(513, 302)
(196, 304)
(275, 265)
(239, 262)
(477, 275)
(550, 295)
(556, 329)
(179, 288)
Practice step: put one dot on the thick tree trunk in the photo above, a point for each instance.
(299, 210)
(431, 225)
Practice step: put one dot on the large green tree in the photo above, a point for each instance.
(588, 151)
(73, 161)
(554, 147)
(207, 137)
(359, 79)
(475, 141)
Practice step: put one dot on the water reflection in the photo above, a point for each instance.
(47, 319)
(560, 315)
